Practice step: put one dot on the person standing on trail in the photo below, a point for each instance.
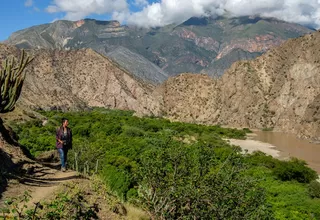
(64, 142)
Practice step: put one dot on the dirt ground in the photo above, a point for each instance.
(46, 182)
(253, 145)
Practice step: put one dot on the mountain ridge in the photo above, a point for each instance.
(195, 45)
(277, 90)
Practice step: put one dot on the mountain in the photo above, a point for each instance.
(76, 79)
(278, 90)
(217, 67)
(138, 65)
(203, 44)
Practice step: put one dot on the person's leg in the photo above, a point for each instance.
(62, 158)
(65, 157)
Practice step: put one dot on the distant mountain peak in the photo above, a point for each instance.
(91, 21)
(192, 46)
(114, 23)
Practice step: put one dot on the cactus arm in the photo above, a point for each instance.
(12, 76)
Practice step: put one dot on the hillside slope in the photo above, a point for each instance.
(74, 79)
(138, 65)
(279, 90)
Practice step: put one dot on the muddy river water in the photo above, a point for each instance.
(290, 146)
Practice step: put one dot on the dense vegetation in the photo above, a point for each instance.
(177, 170)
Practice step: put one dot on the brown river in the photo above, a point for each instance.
(290, 146)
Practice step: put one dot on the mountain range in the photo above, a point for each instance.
(279, 89)
(207, 45)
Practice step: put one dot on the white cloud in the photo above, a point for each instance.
(78, 9)
(176, 11)
(140, 3)
(165, 12)
(28, 3)
(120, 16)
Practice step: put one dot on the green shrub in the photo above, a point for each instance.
(267, 129)
(259, 158)
(184, 182)
(294, 169)
(133, 131)
(112, 129)
(82, 130)
(247, 130)
(190, 167)
(132, 194)
(314, 189)
(118, 180)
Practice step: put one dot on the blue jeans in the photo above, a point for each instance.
(63, 157)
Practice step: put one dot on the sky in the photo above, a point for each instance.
(19, 14)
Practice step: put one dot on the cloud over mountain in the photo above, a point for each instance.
(78, 9)
(163, 12)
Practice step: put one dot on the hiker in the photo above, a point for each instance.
(64, 142)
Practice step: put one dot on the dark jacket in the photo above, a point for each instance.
(59, 135)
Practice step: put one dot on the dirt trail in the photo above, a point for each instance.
(41, 185)
(46, 187)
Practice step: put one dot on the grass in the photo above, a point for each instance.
(267, 129)
(135, 213)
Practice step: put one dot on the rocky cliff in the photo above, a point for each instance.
(59, 79)
(279, 90)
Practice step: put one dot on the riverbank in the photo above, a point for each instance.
(278, 150)
(252, 145)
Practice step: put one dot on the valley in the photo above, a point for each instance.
(154, 113)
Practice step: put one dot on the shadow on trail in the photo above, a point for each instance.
(4, 164)
(55, 166)
(47, 182)
(64, 178)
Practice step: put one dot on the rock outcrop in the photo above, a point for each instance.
(59, 79)
(279, 90)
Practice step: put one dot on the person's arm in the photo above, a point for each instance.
(70, 139)
(58, 138)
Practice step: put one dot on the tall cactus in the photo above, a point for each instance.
(12, 75)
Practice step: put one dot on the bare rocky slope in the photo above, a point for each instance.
(138, 65)
(279, 90)
(74, 79)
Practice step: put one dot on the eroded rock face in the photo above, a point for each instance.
(259, 43)
(207, 43)
(279, 89)
(191, 98)
(79, 78)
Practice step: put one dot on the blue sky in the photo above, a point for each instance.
(19, 14)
